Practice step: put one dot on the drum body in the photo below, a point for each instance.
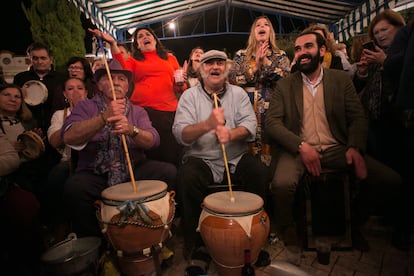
(228, 228)
(325, 208)
(135, 223)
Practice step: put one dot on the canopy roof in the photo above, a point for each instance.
(195, 18)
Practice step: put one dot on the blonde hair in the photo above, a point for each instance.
(252, 42)
(340, 46)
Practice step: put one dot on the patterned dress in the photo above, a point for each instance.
(259, 88)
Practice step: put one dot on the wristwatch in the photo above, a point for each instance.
(135, 132)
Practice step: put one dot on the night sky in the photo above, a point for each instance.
(16, 35)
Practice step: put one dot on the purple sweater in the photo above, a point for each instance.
(88, 108)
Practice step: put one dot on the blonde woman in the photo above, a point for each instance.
(256, 69)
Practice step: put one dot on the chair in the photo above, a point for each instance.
(325, 202)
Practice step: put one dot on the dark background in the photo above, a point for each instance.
(15, 28)
(16, 35)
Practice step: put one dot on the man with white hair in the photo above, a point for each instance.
(202, 124)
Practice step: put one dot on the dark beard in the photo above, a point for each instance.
(310, 67)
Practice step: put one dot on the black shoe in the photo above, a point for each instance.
(194, 270)
(263, 259)
(199, 263)
(359, 242)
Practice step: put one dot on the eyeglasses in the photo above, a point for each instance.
(75, 68)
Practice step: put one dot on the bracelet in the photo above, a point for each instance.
(135, 132)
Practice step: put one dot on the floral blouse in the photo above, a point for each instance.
(259, 88)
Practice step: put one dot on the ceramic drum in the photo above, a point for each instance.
(228, 228)
(135, 222)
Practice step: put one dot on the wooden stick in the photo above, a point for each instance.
(131, 172)
(223, 149)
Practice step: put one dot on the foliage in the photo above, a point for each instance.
(57, 23)
(287, 44)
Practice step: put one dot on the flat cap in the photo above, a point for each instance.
(213, 54)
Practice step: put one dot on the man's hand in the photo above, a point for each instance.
(115, 114)
(223, 134)
(311, 159)
(120, 124)
(216, 119)
(354, 157)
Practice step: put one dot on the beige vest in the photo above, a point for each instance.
(315, 128)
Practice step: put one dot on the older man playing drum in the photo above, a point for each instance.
(203, 124)
(95, 128)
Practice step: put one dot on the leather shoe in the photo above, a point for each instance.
(199, 263)
(263, 259)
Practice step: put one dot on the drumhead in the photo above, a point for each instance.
(125, 191)
(34, 144)
(244, 202)
(35, 92)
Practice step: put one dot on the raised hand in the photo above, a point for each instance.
(104, 36)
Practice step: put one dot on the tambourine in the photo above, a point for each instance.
(35, 92)
(34, 144)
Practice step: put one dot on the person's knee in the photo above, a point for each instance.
(170, 175)
(73, 186)
(282, 186)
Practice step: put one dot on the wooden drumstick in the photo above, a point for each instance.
(223, 149)
(131, 172)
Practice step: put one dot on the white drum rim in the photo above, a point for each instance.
(236, 208)
(232, 215)
(38, 92)
(142, 195)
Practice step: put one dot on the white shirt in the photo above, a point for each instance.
(56, 124)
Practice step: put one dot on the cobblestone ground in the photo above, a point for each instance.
(382, 259)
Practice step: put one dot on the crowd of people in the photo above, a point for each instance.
(278, 118)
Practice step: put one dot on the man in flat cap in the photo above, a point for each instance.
(202, 124)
